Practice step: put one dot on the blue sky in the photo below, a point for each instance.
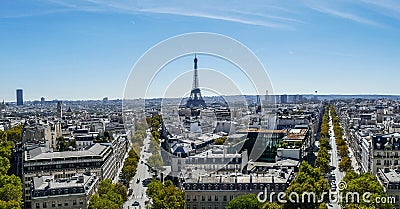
(63, 49)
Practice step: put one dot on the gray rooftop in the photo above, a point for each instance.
(42, 153)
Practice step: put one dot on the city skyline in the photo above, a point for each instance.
(335, 48)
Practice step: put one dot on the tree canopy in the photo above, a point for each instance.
(166, 196)
(308, 179)
(10, 185)
(109, 195)
(65, 145)
(130, 164)
(246, 201)
(362, 183)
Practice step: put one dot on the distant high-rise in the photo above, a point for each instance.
(59, 110)
(195, 100)
(2, 107)
(42, 100)
(284, 99)
(20, 97)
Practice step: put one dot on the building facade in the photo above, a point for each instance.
(98, 159)
(216, 191)
(385, 151)
(68, 193)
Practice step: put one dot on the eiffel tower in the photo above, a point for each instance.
(195, 100)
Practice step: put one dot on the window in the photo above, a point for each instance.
(203, 198)
(216, 197)
(53, 204)
(44, 204)
(73, 202)
(37, 205)
(225, 199)
(378, 162)
(66, 204)
(209, 198)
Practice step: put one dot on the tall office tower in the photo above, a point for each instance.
(284, 99)
(59, 109)
(2, 107)
(42, 100)
(258, 109)
(20, 97)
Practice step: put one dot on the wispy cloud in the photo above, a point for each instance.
(211, 15)
(345, 15)
(211, 10)
(384, 7)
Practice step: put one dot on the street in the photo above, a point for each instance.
(334, 161)
(139, 191)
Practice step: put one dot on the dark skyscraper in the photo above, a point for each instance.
(20, 97)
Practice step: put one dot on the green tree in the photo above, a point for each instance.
(121, 190)
(64, 144)
(308, 179)
(3, 135)
(97, 202)
(6, 149)
(130, 164)
(105, 186)
(10, 188)
(10, 204)
(345, 164)
(271, 205)
(154, 147)
(323, 142)
(4, 165)
(155, 161)
(165, 196)
(220, 141)
(109, 195)
(343, 151)
(246, 201)
(15, 134)
(362, 183)
(340, 142)
(323, 164)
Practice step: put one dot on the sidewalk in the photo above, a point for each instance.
(354, 163)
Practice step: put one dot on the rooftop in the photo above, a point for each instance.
(42, 153)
